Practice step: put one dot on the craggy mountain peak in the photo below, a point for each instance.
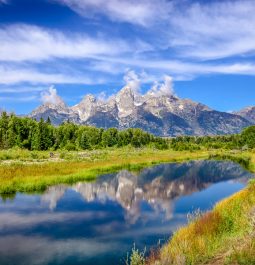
(126, 101)
(248, 113)
(161, 113)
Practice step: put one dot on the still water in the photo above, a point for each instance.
(98, 223)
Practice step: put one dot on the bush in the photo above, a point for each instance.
(70, 147)
(136, 258)
(248, 137)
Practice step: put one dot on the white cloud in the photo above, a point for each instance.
(30, 43)
(29, 75)
(142, 12)
(212, 30)
(50, 96)
(184, 70)
(163, 89)
(204, 30)
(17, 90)
(132, 80)
(201, 30)
(106, 67)
(219, 24)
(135, 81)
(179, 70)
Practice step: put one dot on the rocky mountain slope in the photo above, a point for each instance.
(164, 115)
(247, 113)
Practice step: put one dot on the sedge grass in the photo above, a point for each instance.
(23, 176)
(224, 235)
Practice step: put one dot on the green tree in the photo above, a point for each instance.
(248, 137)
(4, 120)
(12, 132)
(110, 137)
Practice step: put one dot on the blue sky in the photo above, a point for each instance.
(97, 46)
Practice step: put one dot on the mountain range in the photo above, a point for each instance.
(159, 114)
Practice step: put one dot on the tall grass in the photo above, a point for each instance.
(136, 258)
(224, 235)
(22, 154)
(18, 176)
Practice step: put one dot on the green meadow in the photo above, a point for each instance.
(25, 171)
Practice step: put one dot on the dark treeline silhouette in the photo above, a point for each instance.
(33, 135)
(28, 133)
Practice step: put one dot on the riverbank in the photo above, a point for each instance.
(225, 235)
(26, 171)
(22, 171)
(205, 240)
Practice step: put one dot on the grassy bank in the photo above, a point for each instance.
(222, 236)
(225, 235)
(23, 171)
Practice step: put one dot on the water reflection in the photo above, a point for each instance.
(158, 186)
(97, 223)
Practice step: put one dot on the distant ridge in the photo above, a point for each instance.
(248, 113)
(160, 114)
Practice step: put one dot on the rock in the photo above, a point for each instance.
(163, 115)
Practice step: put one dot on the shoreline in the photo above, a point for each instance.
(33, 176)
(223, 235)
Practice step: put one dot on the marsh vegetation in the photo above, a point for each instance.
(35, 155)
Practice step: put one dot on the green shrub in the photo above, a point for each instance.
(136, 258)
(70, 147)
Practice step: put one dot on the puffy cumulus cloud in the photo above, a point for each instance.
(163, 89)
(132, 80)
(51, 96)
(135, 80)
(142, 12)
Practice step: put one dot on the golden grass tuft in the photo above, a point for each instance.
(215, 232)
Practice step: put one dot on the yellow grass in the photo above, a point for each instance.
(224, 235)
(16, 175)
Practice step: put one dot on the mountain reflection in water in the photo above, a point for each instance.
(97, 223)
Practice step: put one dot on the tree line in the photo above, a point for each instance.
(24, 132)
(243, 141)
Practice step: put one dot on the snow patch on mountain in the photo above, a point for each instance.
(159, 111)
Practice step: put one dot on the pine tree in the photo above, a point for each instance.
(48, 120)
(3, 130)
